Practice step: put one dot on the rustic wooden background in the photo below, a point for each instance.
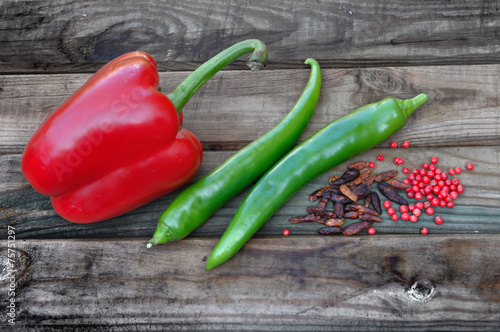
(101, 277)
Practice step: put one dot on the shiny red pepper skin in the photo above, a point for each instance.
(114, 145)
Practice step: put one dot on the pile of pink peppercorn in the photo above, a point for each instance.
(430, 185)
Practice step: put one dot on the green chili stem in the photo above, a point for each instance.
(181, 95)
(410, 105)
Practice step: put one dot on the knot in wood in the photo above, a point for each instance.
(422, 291)
(13, 264)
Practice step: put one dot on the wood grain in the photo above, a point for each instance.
(72, 36)
(286, 284)
(236, 107)
(476, 210)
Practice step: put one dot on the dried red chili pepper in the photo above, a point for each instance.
(385, 176)
(330, 231)
(358, 165)
(361, 178)
(298, 220)
(357, 227)
(360, 190)
(368, 200)
(338, 208)
(369, 217)
(315, 195)
(391, 193)
(351, 215)
(376, 202)
(348, 193)
(369, 181)
(348, 175)
(323, 202)
(399, 184)
(336, 195)
(321, 212)
(334, 222)
(333, 178)
(361, 209)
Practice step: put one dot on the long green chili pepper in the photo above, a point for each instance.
(333, 144)
(192, 207)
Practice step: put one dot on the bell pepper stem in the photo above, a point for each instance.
(181, 95)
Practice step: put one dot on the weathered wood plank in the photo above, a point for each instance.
(236, 107)
(64, 35)
(286, 284)
(476, 210)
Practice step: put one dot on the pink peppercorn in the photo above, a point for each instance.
(438, 220)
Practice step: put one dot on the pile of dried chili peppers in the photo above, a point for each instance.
(346, 192)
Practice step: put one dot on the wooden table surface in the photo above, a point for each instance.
(100, 276)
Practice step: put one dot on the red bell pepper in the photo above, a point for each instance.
(117, 143)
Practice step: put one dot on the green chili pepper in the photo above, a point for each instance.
(191, 208)
(333, 144)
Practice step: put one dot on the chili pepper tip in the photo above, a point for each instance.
(151, 243)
